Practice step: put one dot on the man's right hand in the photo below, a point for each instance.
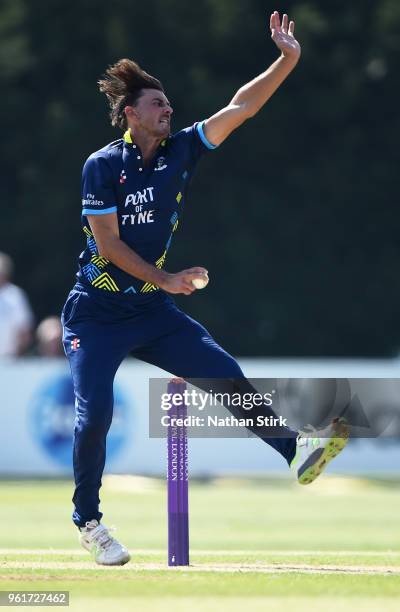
(181, 282)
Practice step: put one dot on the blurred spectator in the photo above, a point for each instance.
(49, 338)
(16, 318)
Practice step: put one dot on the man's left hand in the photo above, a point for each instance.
(283, 36)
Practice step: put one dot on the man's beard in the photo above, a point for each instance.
(158, 131)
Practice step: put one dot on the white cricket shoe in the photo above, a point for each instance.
(105, 549)
(314, 453)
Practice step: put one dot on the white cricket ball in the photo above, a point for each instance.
(200, 282)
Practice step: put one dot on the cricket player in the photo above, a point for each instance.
(134, 190)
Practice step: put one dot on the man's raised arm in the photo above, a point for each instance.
(251, 97)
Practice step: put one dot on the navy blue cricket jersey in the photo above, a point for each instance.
(147, 199)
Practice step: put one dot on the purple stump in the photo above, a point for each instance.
(178, 481)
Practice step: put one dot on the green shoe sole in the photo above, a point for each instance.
(318, 461)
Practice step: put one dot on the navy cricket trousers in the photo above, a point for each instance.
(99, 332)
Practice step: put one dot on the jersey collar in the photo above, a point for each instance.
(129, 140)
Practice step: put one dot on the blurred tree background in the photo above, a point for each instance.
(295, 216)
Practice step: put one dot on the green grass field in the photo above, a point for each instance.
(263, 544)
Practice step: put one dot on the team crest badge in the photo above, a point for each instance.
(75, 344)
(122, 177)
(160, 165)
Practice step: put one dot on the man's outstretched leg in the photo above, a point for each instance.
(188, 351)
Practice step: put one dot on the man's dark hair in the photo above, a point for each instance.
(123, 84)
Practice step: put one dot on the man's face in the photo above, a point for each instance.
(152, 113)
